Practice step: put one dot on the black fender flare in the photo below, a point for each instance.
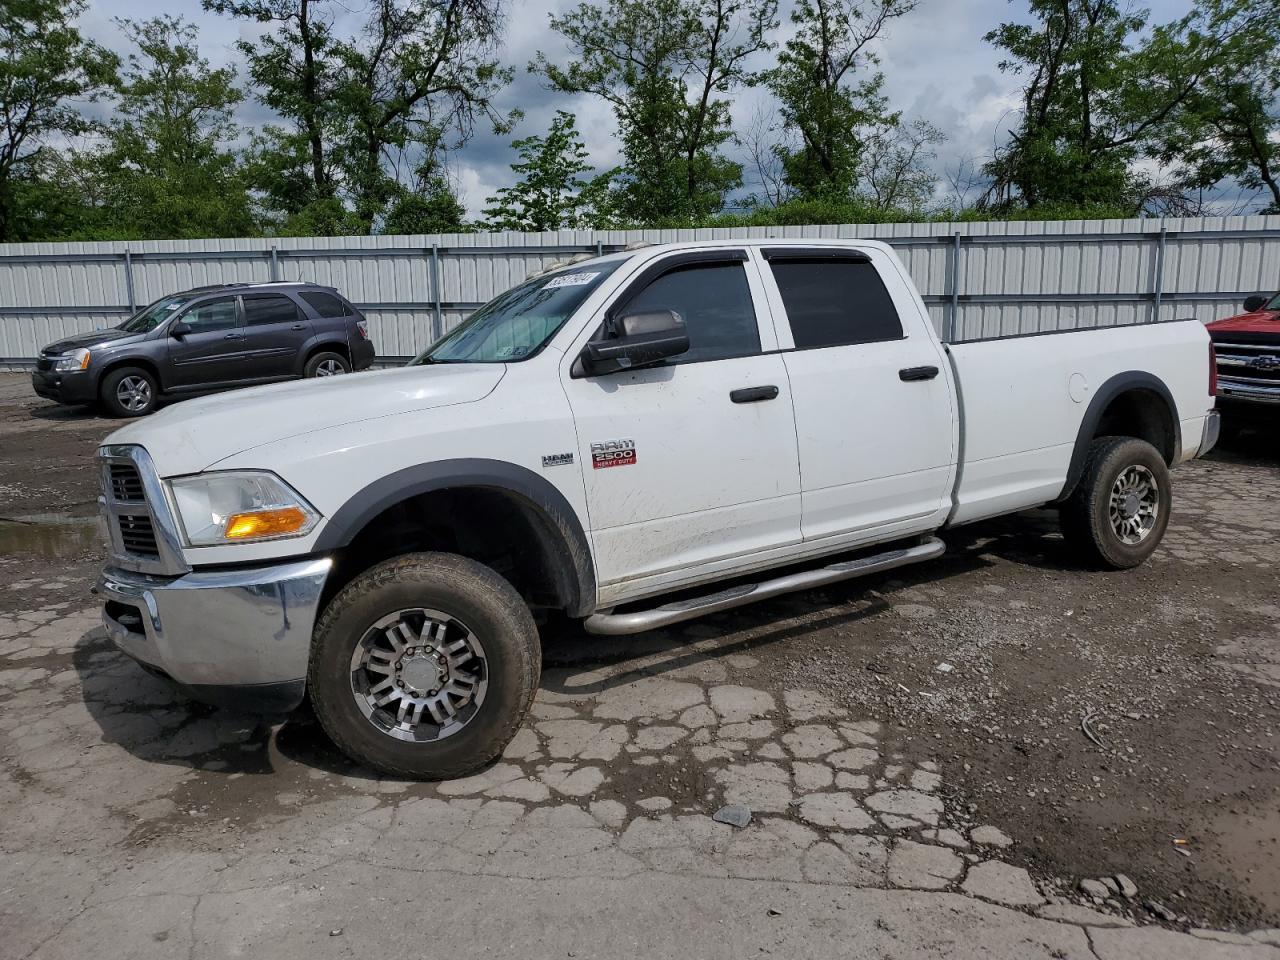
(558, 525)
(1102, 397)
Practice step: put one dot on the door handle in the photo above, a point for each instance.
(753, 394)
(233, 336)
(298, 326)
(908, 374)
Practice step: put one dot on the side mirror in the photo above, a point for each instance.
(179, 330)
(639, 340)
(1255, 303)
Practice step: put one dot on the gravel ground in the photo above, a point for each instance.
(1090, 719)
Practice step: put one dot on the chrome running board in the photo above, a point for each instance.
(618, 624)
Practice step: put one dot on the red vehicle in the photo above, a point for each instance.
(1248, 350)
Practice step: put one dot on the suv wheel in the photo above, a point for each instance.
(326, 365)
(129, 392)
(424, 666)
(1118, 513)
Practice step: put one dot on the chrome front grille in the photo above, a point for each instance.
(1249, 363)
(143, 536)
(126, 484)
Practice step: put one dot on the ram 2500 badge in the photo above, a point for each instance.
(593, 440)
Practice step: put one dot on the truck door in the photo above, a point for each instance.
(873, 405)
(691, 462)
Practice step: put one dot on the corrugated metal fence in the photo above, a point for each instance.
(979, 279)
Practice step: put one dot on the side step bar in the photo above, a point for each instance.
(618, 624)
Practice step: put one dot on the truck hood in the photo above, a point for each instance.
(94, 338)
(193, 435)
(1261, 321)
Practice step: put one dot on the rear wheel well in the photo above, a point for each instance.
(340, 349)
(494, 527)
(1143, 414)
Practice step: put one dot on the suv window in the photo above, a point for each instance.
(211, 316)
(327, 305)
(833, 303)
(715, 302)
(259, 311)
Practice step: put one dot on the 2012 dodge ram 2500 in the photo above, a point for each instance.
(641, 424)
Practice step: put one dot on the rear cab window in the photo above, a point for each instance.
(833, 297)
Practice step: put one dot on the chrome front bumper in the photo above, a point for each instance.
(238, 637)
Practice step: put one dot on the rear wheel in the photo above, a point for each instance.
(424, 666)
(1118, 513)
(327, 365)
(128, 392)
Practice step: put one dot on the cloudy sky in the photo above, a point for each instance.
(936, 67)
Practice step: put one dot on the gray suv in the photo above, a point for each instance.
(207, 339)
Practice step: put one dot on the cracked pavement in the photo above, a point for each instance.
(139, 824)
(150, 826)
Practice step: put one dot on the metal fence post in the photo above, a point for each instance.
(1158, 292)
(437, 322)
(275, 265)
(953, 317)
(128, 280)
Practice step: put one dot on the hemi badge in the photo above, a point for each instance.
(613, 453)
(557, 459)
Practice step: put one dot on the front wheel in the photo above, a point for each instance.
(424, 666)
(129, 392)
(1118, 513)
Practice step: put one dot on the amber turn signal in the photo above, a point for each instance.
(264, 523)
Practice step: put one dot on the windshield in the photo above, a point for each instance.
(517, 324)
(148, 318)
(1274, 304)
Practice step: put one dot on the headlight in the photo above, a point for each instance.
(233, 507)
(75, 360)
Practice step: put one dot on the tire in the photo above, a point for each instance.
(326, 364)
(129, 392)
(470, 604)
(1121, 540)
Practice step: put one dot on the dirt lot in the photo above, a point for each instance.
(1094, 718)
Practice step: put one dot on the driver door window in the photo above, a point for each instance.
(212, 316)
(714, 301)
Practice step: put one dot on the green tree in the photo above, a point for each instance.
(548, 192)
(45, 67)
(294, 71)
(666, 68)
(829, 92)
(369, 118)
(1229, 126)
(168, 169)
(1101, 91)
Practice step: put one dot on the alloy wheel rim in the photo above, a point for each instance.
(329, 368)
(1134, 507)
(419, 675)
(134, 393)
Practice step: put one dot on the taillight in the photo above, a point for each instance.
(363, 326)
(1213, 370)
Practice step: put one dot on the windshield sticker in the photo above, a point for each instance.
(571, 280)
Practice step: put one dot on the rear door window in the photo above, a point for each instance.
(260, 311)
(834, 302)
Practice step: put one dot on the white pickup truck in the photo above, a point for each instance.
(724, 420)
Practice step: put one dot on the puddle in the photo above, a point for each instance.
(52, 536)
